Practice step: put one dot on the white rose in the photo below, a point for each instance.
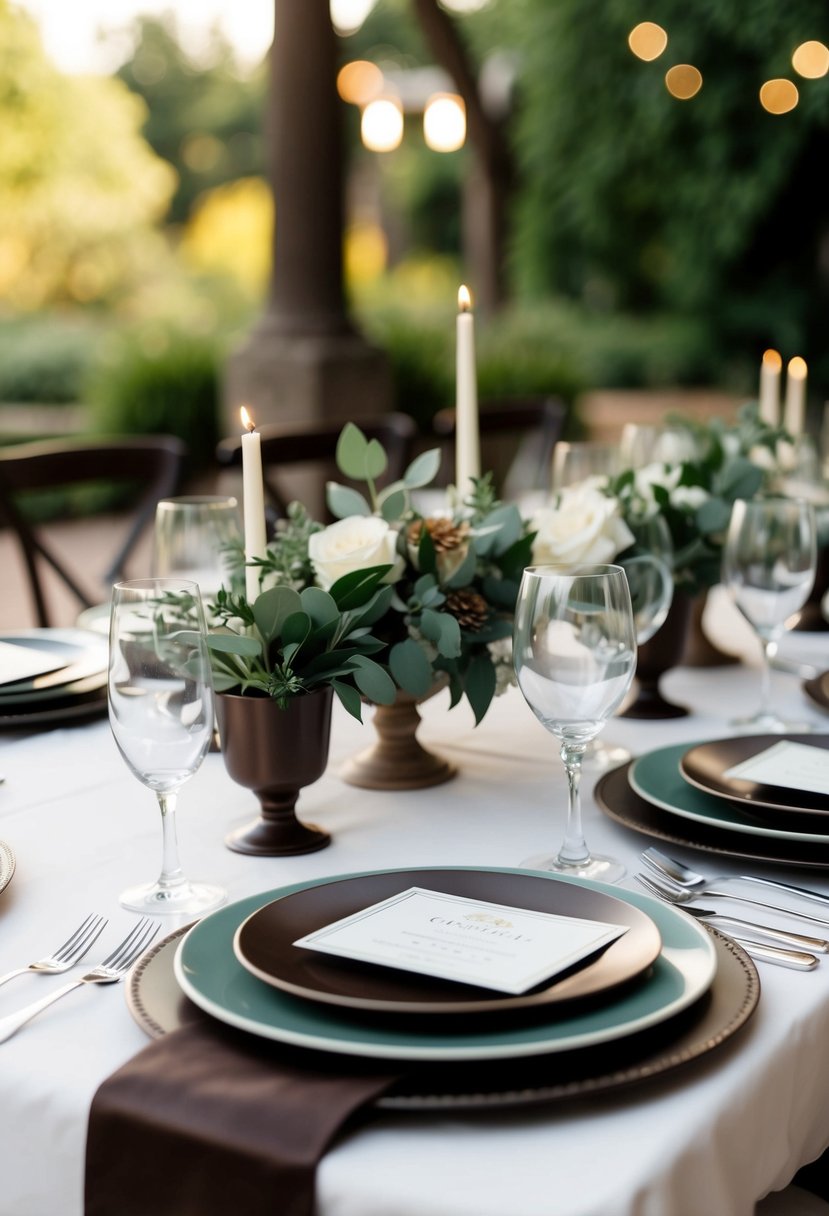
(586, 526)
(689, 498)
(355, 543)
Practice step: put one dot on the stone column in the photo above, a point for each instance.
(304, 360)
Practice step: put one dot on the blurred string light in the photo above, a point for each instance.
(359, 82)
(811, 59)
(779, 96)
(647, 40)
(683, 81)
(444, 122)
(381, 125)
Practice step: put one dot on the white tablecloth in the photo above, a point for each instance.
(710, 1140)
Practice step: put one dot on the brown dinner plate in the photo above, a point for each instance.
(706, 765)
(264, 944)
(158, 1006)
(616, 799)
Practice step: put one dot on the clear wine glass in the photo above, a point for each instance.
(574, 650)
(768, 567)
(195, 538)
(583, 460)
(161, 715)
(648, 565)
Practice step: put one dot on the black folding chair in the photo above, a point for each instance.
(148, 467)
(517, 439)
(289, 445)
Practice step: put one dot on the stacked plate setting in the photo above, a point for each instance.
(51, 675)
(663, 993)
(685, 793)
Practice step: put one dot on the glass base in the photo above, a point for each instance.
(604, 869)
(770, 724)
(189, 898)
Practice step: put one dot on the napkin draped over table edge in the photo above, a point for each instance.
(206, 1120)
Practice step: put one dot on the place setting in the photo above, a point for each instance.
(51, 675)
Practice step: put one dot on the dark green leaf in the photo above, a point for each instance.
(411, 668)
(354, 590)
(373, 681)
(479, 685)
(234, 643)
(349, 698)
(320, 606)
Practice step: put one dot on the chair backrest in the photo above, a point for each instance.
(150, 466)
(316, 445)
(522, 432)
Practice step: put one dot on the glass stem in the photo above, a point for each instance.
(171, 873)
(769, 651)
(573, 850)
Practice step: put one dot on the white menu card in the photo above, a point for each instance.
(794, 766)
(469, 941)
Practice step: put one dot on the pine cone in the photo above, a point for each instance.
(444, 533)
(468, 608)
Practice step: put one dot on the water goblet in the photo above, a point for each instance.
(198, 537)
(768, 567)
(161, 715)
(574, 650)
(584, 460)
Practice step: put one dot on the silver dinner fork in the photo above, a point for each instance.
(798, 960)
(71, 952)
(689, 880)
(114, 967)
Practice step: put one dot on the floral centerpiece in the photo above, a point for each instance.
(431, 596)
(695, 495)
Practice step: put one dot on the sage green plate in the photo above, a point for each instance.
(210, 975)
(658, 779)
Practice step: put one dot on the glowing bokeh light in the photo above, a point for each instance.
(348, 15)
(683, 80)
(647, 40)
(381, 125)
(811, 59)
(444, 123)
(359, 82)
(779, 96)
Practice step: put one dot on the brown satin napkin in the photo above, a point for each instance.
(208, 1120)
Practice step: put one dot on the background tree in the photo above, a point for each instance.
(635, 201)
(80, 190)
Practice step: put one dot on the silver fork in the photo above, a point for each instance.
(71, 952)
(689, 880)
(114, 967)
(673, 895)
(798, 960)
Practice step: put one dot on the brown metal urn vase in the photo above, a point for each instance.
(276, 753)
(664, 651)
(397, 760)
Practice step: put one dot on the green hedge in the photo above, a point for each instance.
(160, 382)
(45, 358)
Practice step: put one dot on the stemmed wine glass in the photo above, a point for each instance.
(768, 567)
(583, 460)
(574, 649)
(195, 537)
(161, 715)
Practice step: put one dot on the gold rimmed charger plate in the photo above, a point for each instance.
(159, 1007)
(263, 943)
(706, 765)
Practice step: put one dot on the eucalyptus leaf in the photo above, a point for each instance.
(352, 447)
(272, 608)
(373, 681)
(713, 515)
(422, 470)
(466, 570)
(393, 507)
(320, 606)
(349, 698)
(376, 461)
(411, 668)
(296, 629)
(234, 643)
(343, 502)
